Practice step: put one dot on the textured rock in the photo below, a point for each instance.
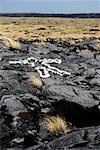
(12, 104)
(74, 94)
(82, 139)
(75, 97)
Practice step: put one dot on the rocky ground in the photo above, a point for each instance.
(75, 97)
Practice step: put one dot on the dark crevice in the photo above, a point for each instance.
(76, 114)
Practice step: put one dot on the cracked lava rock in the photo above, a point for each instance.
(75, 97)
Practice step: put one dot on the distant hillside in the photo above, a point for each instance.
(83, 15)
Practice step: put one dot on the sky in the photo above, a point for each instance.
(50, 6)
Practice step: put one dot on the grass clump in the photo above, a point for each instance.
(56, 124)
(12, 44)
(33, 80)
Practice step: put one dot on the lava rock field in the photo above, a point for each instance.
(75, 97)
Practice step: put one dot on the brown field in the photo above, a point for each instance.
(42, 29)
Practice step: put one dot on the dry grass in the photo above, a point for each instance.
(56, 124)
(40, 29)
(11, 44)
(33, 80)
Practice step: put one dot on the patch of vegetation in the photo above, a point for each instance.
(33, 80)
(56, 124)
(39, 30)
(11, 44)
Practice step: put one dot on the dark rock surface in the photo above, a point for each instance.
(75, 97)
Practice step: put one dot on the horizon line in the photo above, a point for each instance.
(48, 13)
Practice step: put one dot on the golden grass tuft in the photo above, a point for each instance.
(12, 44)
(37, 82)
(56, 124)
